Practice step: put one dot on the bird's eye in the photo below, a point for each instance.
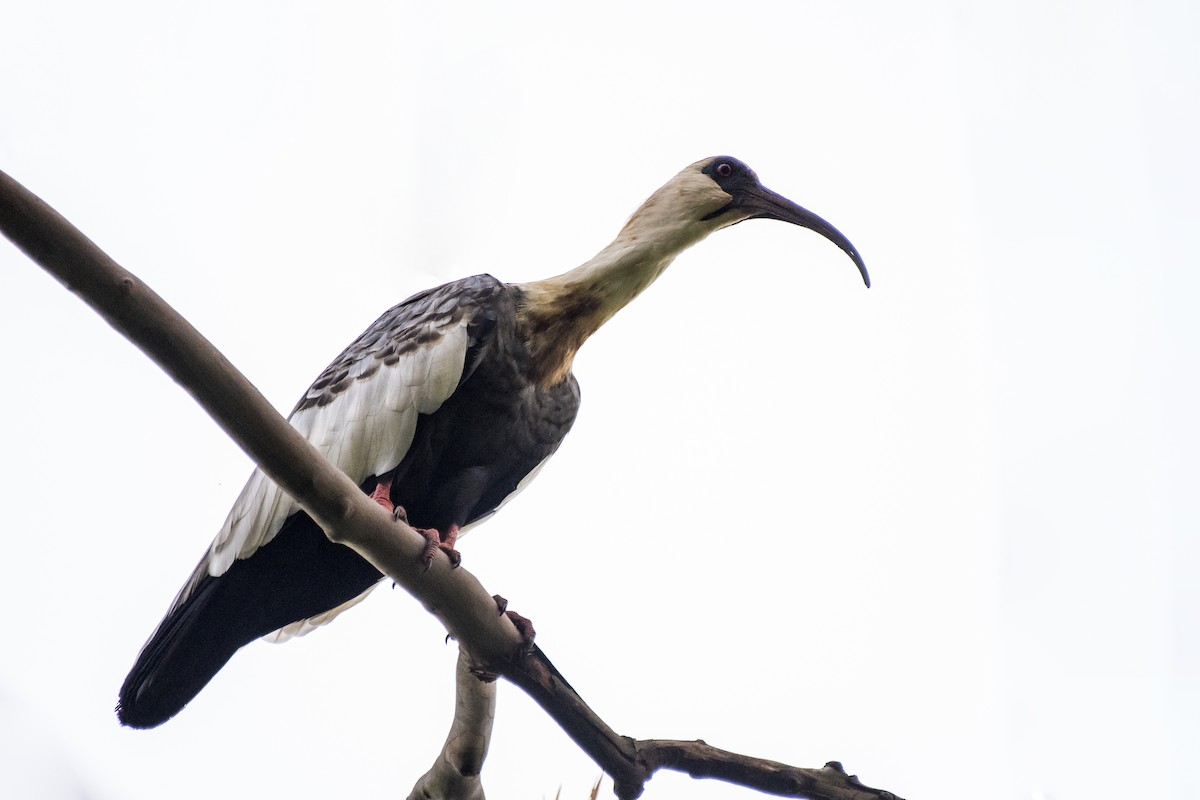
(724, 169)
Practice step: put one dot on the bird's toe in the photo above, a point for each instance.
(524, 627)
(452, 554)
(433, 543)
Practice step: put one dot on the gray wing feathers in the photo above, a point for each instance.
(361, 413)
(364, 431)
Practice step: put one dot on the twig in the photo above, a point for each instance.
(701, 760)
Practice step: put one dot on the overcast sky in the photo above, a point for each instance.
(944, 530)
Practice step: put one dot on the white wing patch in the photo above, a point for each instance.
(363, 430)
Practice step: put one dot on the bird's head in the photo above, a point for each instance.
(715, 193)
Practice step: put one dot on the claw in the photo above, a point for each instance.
(433, 542)
(525, 628)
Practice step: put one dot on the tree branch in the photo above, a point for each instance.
(455, 773)
(489, 641)
(701, 760)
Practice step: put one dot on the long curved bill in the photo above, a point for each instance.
(762, 203)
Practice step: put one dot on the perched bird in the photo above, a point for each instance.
(443, 409)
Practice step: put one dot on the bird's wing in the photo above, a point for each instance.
(362, 411)
(303, 627)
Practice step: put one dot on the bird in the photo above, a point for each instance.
(442, 410)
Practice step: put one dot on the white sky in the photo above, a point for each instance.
(944, 530)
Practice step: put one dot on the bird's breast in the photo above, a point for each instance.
(471, 454)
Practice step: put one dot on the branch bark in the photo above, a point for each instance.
(488, 640)
(455, 774)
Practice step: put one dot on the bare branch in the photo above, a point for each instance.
(455, 773)
(702, 760)
(489, 641)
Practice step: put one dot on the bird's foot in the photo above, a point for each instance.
(525, 628)
(435, 541)
(523, 625)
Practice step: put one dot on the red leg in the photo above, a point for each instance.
(383, 494)
(447, 545)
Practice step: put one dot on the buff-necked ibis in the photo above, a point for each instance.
(443, 408)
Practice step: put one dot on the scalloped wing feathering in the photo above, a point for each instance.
(362, 411)
(363, 431)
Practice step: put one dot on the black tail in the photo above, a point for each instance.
(297, 575)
